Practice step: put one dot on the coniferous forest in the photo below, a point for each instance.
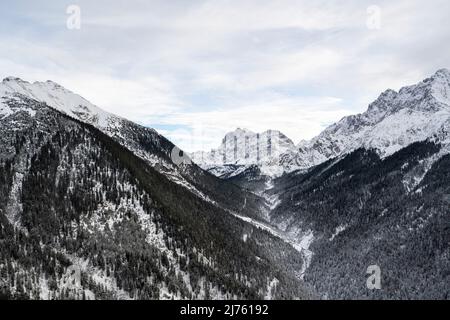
(82, 217)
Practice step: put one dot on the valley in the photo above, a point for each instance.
(257, 218)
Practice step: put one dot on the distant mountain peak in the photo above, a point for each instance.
(238, 132)
(53, 84)
(20, 80)
(21, 100)
(393, 121)
(245, 147)
(431, 93)
(56, 97)
(444, 72)
(13, 79)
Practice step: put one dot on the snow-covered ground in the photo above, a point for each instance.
(338, 231)
(393, 121)
(300, 241)
(271, 288)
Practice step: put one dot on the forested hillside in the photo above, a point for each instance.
(363, 210)
(74, 202)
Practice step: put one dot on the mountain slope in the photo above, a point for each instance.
(146, 143)
(105, 198)
(243, 148)
(392, 122)
(76, 202)
(361, 210)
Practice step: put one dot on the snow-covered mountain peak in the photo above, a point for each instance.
(57, 97)
(12, 79)
(442, 73)
(384, 98)
(52, 85)
(238, 133)
(241, 131)
(245, 147)
(432, 93)
(393, 121)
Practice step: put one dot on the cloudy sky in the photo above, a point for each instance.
(195, 70)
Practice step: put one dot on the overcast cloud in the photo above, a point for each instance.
(208, 67)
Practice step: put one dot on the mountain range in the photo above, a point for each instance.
(93, 206)
(392, 122)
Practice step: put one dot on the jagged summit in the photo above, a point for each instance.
(433, 91)
(243, 148)
(442, 72)
(12, 79)
(393, 121)
(23, 104)
(57, 97)
(67, 187)
(243, 130)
